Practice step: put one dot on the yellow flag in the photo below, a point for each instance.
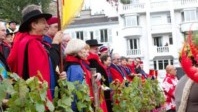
(69, 9)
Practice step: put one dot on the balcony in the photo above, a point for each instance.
(162, 28)
(130, 8)
(187, 26)
(163, 51)
(135, 31)
(134, 52)
(180, 4)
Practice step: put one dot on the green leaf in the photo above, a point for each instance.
(50, 105)
(71, 86)
(79, 95)
(40, 107)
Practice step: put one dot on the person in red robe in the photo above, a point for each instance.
(29, 54)
(94, 62)
(115, 70)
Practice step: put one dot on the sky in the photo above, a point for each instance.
(100, 5)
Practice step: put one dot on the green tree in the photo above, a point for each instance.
(11, 9)
(125, 1)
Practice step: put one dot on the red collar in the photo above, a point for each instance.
(70, 58)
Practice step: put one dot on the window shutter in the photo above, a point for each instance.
(73, 34)
(110, 35)
(97, 35)
(85, 35)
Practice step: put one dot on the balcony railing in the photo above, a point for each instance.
(164, 49)
(160, 5)
(185, 3)
(134, 7)
(134, 52)
(164, 5)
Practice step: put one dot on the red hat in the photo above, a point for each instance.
(52, 20)
(103, 48)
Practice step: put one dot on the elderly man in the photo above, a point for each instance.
(29, 53)
(169, 85)
(3, 64)
(116, 71)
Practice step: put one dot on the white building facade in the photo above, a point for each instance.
(154, 30)
(88, 26)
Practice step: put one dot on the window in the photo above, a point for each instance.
(131, 21)
(79, 35)
(189, 15)
(133, 43)
(156, 20)
(103, 35)
(170, 40)
(91, 35)
(161, 64)
(158, 41)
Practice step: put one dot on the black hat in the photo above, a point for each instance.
(93, 42)
(8, 32)
(31, 16)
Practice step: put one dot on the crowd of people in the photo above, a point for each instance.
(38, 45)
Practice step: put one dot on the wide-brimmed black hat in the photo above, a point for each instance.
(29, 17)
(93, 42)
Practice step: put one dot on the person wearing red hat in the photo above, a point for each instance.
(52, 30)
(103, 50)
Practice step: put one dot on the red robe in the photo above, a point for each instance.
(37, 56)
(103, 105)
(116, 76)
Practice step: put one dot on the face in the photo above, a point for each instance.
(13, 26)
(116, 59)
(53, 29)
(137, 62)
(108, 62)
(83, 53)
(94, 49)
(9, 39)
(173, 71)
(2, 31)
(40, 26)
(130, 61)
(124, 62)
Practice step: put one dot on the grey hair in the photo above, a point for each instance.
(30, 8)
(74, 46)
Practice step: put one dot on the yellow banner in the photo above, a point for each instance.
(68, 10)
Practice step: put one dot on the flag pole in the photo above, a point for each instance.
(59, 28)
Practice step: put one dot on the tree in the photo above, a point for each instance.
(125, 1)
(11, 9)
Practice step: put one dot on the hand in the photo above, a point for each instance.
(98, 76)
(63, 76)
(5, 101)
(58, 37)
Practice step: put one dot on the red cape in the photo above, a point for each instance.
(116, 75)
(38, 59)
